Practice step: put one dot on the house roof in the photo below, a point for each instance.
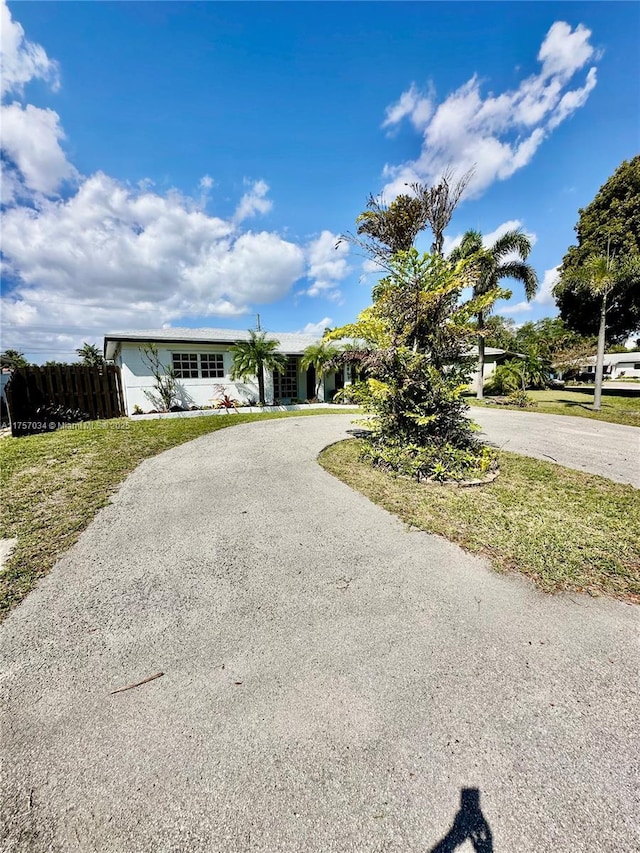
(614, 358)
(291, 343)
(494, 351)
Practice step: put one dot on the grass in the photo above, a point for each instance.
(564, 529)
(616, 409)
(53, 484)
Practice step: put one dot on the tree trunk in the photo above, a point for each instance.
(597, 392)
(261, 384)
(480, 381)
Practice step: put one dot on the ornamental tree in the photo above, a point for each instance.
(419, 330)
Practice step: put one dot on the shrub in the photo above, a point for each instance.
(521, 399)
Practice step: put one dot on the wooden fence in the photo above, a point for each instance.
(40, 399)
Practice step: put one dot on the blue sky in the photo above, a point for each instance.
(193, 164)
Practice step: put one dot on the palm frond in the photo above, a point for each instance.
(524, 273)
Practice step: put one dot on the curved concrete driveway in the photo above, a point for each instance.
(610, 450)
(331, 681)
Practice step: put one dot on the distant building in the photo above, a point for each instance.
(617, 365)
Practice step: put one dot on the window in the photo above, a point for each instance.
(285, 384)
(185, 365)
(212, 365)
(636, 366)
(193, 365)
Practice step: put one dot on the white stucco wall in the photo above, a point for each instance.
(490, 364)
(137, 378)
(623, 369)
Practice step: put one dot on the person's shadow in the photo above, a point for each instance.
(469, 824)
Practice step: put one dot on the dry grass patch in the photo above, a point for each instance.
(564, 529)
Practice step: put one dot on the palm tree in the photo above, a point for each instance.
(253, 357)
(599, 276)
(90, 355)
(493, 264)
(319, 356)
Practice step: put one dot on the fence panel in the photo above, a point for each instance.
(40, 399)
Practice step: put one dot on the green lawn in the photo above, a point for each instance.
(53, 484)
(564, 529)
(616, 409)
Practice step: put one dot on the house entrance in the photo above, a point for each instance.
(311, 383)
(285, 384)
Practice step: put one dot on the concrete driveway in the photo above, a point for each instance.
(332, 681)
(610, 450)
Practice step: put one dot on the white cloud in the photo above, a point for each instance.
(316, 328)
(544, 296)
(565, 51)
(34, 161)
(497, 134)
(253, 201)
(518, 308)
(112, 256)
(20, 59)
(412, 104)
(328, 265)
(31, 139)
(206, 182)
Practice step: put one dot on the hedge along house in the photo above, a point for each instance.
(202, 360)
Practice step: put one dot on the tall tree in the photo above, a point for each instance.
(320, 356)
(253, 357)
(492, 265)
(90, 355)
(609, 225)
(599, 276)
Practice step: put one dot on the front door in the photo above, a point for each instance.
(285, 384)
(311, 383)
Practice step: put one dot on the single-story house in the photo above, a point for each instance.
(202, 360)
(492, 358)
(617, 365)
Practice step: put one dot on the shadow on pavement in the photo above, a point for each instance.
(468, 825)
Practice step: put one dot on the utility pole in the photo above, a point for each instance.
(258, 329)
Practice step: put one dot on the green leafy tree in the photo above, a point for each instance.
(90, 355)
(600, 277)
(491, 265)
(418, 331)
(608, 226)
(253, 357)
(322, 357)
(13, 359)
(499, 332)
(552, 339)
